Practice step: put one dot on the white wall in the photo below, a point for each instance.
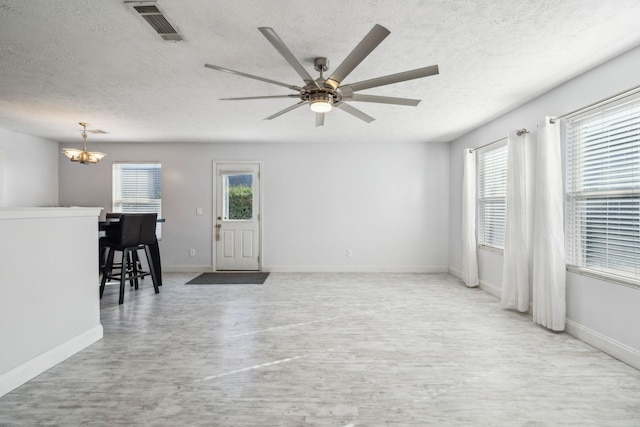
(386, 202)
(29, 170)
(604, 314)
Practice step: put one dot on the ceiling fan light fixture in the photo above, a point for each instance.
(321, 102)
(322, 94)
(83, 156)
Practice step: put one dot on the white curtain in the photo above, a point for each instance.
(515, 270)
(549, 273)
(469, 248)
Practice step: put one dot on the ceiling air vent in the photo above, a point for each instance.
(150, 12)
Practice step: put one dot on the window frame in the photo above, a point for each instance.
(116, 203)
(496, 196)
(586, 190)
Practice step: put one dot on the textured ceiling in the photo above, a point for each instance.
(62, 62)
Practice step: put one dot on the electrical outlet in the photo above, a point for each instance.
(192, 252)
(349, 252)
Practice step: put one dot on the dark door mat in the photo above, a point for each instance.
(229, 279)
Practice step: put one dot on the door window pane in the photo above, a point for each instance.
(238, 196)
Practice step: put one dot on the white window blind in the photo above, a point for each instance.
(492, 189)
(603, 191)
(137, 188)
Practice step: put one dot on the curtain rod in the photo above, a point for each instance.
(519, 133)
(604, 101)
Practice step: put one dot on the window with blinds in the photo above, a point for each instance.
(603, 191)
(137, 188)
(492, 192)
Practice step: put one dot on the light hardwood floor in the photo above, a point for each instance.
(326, 350)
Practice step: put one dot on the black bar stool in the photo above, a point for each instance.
(137, 231)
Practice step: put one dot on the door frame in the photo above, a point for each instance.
(214, 208)
(1, 175)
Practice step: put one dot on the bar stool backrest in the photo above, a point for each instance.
(112, 232)
(129, 230)
(148, 228)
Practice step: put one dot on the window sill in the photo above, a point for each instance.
(617, 280)
(491, 249)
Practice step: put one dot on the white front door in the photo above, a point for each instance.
(237, 220)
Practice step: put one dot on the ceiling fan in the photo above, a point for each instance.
(323, 94)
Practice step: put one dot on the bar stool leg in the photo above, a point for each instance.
(106, 271)
(135, 265)
(152, 269)
(125, 255)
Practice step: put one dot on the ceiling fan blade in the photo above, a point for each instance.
(251, 76)
(383, 99)
(277, 42)
(319, 119)
(394, 78)
(362, 50)
(355, 112)
(286, 110)
(260, 97)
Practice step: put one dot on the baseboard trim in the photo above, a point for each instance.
(485, 286)
(616, 349)
(19, 375)
(455, 273)
(187, 268)
(491, 289)
(317, 269)
(353, 269)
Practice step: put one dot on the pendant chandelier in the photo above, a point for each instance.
(83, 156)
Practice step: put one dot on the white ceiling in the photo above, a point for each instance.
(62, 62)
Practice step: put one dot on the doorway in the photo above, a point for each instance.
(237, 231)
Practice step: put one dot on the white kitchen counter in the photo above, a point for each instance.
(49, 301)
